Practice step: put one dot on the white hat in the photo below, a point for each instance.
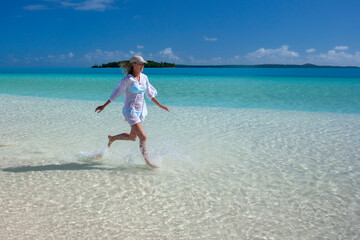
(137, 59)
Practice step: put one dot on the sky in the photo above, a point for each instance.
(80, 33)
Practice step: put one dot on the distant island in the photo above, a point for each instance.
(153, 64)
(150, 64)
(307, 65)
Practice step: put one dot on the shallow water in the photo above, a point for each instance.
(226, 173)
(243, 154)
(315, 90)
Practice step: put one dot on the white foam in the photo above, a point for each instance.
(94, 155)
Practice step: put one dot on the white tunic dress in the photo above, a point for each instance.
(134, 109)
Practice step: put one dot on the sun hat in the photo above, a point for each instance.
(137, 59)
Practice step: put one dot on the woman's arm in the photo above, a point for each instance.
(119, 89)
(100, 108)
(159, 104)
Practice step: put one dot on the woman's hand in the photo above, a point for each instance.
(165, 108)
(159, 104)
(100, 108)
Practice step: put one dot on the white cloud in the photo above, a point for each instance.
(277, 55)
(67, 3)
(36, 7)
(83, 5)
(139, 46)
(336, 56)
(58, 58)
(133, 53)
(310, 50)
(216, 60)
(210, 39)
(97, 5)
(101, 56)
(168, 54)
(11, 58)
(210, 61)
(342, 48)
(283, 51)
(46, 60)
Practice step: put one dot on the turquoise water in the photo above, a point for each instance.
(234, 164)
(315, 90)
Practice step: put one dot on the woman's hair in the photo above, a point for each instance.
(127, 67)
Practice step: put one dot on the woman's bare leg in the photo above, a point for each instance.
(142, 137)
(123, 136)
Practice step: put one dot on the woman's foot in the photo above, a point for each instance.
(150, 164)
(111, 140)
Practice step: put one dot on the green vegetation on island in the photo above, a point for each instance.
(150, 64)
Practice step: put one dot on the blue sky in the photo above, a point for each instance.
(80, 33)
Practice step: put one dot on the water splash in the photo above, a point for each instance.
(96, 155)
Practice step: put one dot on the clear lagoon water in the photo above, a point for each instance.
(243, 154)
(319, 90)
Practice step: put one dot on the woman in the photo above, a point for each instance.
(134, 85)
